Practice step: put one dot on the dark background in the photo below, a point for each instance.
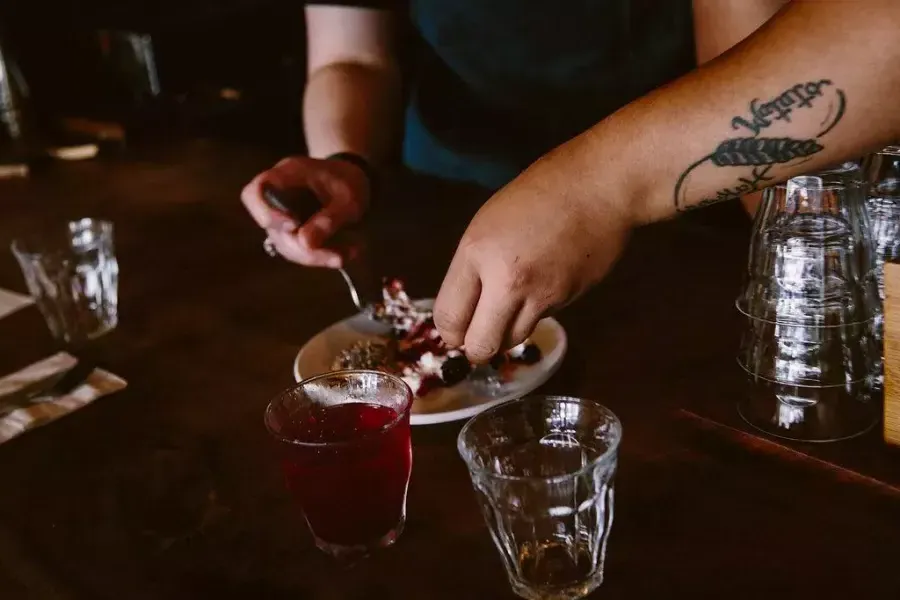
(201, 46)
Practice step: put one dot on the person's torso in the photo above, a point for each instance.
(499, 82)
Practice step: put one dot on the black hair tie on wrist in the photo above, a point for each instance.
(362, 163)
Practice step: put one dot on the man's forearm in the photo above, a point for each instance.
(352, 108)
(815, 86)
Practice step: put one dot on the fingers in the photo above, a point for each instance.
(264, 215)
(325, 223)
(342, 207)
(288, 173)
(523, 324)
(295, 250)
(311, 236)
(487, 330)
(482, 317)
(343, 197)
(456, 301)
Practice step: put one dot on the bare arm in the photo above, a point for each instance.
(352, 98)
(351, 104)
(719, 25)
(816, 85)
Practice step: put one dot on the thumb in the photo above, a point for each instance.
(325, 223)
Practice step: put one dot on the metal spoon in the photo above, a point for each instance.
(300, 205)
(364, 307)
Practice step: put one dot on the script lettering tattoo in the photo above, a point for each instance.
(780, 107)
(746, 185)
(760, 154)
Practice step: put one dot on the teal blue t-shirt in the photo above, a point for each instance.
(498, 83)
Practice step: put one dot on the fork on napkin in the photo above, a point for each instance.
(43, 410)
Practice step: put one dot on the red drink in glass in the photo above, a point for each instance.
(346, 454)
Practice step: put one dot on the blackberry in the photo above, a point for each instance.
(531, 354)
(455, 369)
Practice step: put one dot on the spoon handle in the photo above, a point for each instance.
(300, 204)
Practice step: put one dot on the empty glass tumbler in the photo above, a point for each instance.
(882, 173)
(543, 468)
(72, 273)
(809, 345)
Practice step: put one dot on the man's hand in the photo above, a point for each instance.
(341, 186)
(813, 87)
(530, 249)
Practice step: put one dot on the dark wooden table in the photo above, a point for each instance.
(168, 489)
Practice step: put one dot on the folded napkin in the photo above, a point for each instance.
(98, 384)
(11, 302)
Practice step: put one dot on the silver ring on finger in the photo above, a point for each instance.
(269, 247)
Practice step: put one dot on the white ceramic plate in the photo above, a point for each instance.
(445, 404)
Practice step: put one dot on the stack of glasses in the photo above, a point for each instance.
(810, 344)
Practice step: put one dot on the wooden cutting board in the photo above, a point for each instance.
(892, 353)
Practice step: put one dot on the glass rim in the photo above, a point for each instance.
(606, 456)
(739, 306)
(330, 374)
(825, 187)
(17, 248)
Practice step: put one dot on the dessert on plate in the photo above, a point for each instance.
(415, 351)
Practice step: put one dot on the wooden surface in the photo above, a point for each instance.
(892, 353)
(168, 489)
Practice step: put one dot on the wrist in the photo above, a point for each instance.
(359, 161)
